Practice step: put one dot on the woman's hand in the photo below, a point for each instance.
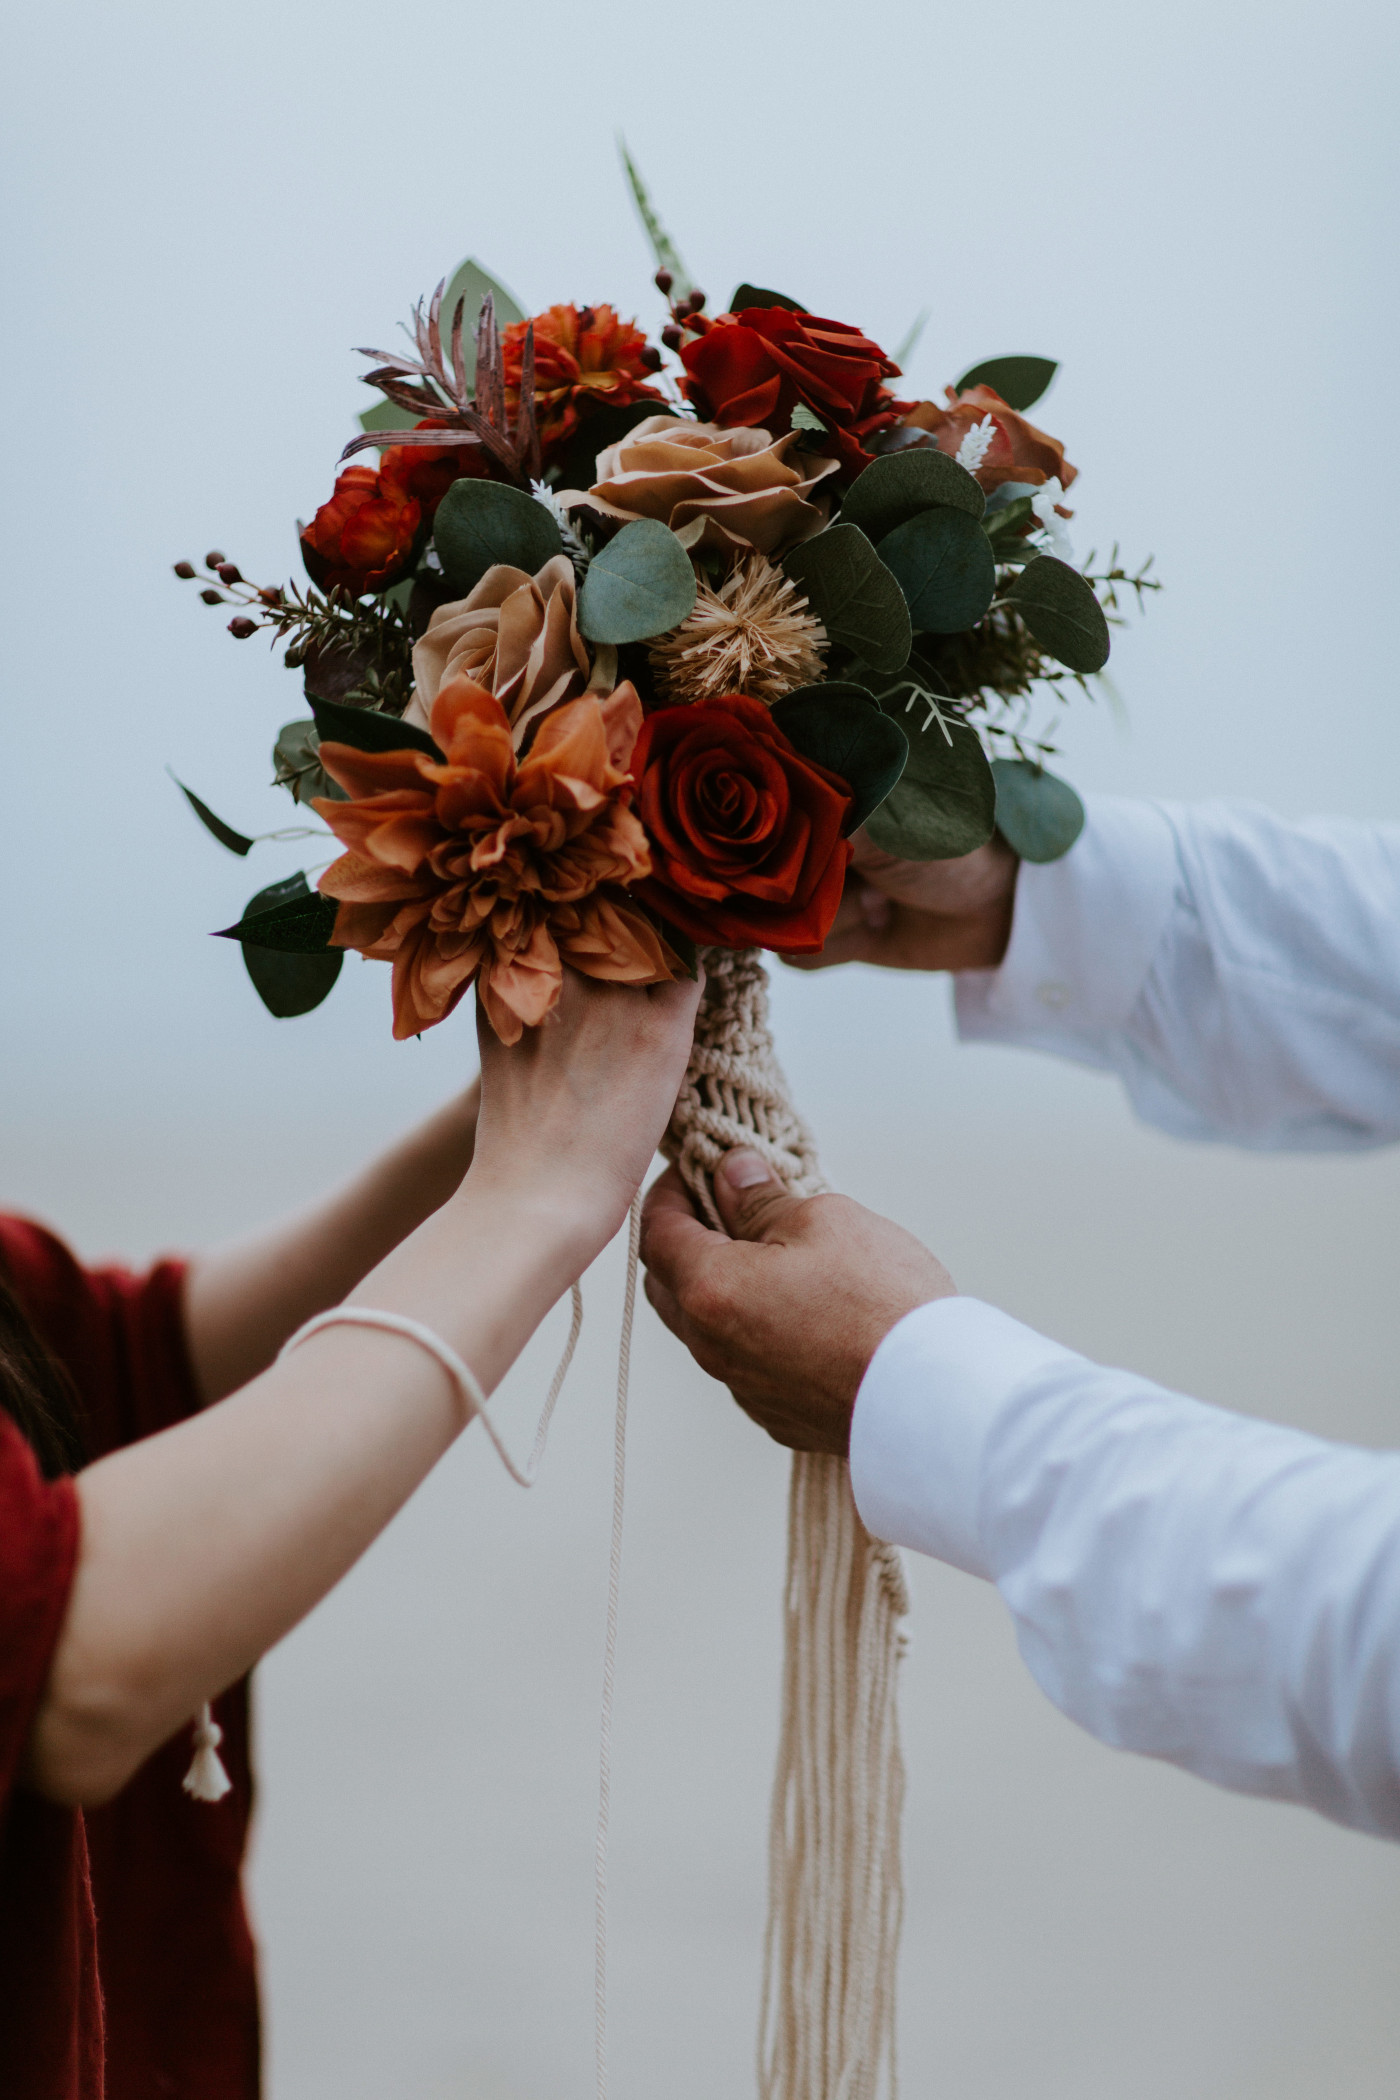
(922, 914)
(571, 1115)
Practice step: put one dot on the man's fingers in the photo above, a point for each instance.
(673, 1237)
(750, 1198)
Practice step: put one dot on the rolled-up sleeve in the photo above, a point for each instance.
(1240, 974)
(1188, 1583)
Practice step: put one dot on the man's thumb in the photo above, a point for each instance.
(749, 1196)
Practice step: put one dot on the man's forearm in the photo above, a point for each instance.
(243, 1301)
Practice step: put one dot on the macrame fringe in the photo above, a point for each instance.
(835, 1902)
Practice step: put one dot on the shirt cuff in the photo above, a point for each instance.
(928, 1402)
(1085, 931)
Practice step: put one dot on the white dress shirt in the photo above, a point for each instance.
(1185, 1582)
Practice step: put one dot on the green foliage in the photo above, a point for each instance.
(899, 485)
(1019, 380)
(755, 295)
(945, 567)
(1039, 816)
(803, 418)
(842, 727)
(388, 417)
(364, 730)
(285, 931)
(480, 523)
(1005, 529)
(945, 804)
(1062, 612)
(224, 833)
(909, 341)
(469, 283)
(642, 583)
(296, 764)
(662, 246)
(854, 595)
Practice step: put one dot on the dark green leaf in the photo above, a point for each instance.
(945, 567)
(1005, 529)
(1019, 380)
(754, 295)
(945, 804)
(854, 595)
(470, 283)
(364, 730)
(1063, 614)
(640, 584)
(388, 417)
(296, 764)
(899, 485)
(842, 727)
(224, 833)
(289, 917)
(578, 466)
(1039, 816)
(480, 523)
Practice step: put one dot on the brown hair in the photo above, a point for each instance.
(36, 1392)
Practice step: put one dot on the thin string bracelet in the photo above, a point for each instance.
(207, 1779)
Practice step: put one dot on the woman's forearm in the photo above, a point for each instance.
(243, 1301)
(202, 1546)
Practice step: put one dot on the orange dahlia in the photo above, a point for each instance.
(494, 867)
(585, 357)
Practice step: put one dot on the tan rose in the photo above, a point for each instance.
(514, 635)
(714, 488)
(1011, 449)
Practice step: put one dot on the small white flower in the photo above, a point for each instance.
(976, 445)
(1052, 535)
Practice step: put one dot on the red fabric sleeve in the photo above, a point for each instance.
(38, 1553)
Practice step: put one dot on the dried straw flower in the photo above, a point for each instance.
(753, 635)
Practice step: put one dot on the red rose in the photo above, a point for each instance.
(745, 831)
(364, 537)
(754, 367)
(426, 472)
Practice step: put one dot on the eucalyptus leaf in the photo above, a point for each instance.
(296, 764)
(1062, 612)
(364, 730)
(843, 728)
(224, 833)
(853, 594)
(1039, 816)
(945, 804)
(640, 584)
(1019, 380)
(480, 523)
(945, 567)
(289, 917)
(755, 295)
(898, 485)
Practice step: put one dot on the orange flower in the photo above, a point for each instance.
(584, 358)
(363, 539)
(1016, 450)
(492, 867)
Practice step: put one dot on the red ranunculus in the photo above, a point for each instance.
(427, 472)
(364, 537)
(745, 832)
(754, 367)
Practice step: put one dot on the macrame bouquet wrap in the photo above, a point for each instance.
(608, 661)
(834, 1888)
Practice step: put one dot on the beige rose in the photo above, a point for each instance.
(517, 636)
(714, 488)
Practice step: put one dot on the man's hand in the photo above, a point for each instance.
(789, 1311)
(923, 914)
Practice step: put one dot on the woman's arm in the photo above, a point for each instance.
(204, 1545)
(242, 1301)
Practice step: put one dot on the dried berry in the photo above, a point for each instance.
(212, 559)
(228, 573)
(664, 280)
(213, 598)
(184, 569)
(242, 627)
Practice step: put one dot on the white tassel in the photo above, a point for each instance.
(206, 1779)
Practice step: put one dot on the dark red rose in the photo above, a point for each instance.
(754, 367)
(426, 472)
(364, 537)
(745, 831)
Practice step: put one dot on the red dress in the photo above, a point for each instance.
(126, 1963)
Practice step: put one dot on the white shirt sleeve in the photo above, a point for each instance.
(1240, 974)
(1195, 1585)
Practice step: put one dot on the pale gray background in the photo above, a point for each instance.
(1192, 206)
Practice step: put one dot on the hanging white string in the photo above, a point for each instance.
(600, 1857)
(206, 1779)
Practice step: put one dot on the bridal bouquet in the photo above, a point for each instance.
(619, 642)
